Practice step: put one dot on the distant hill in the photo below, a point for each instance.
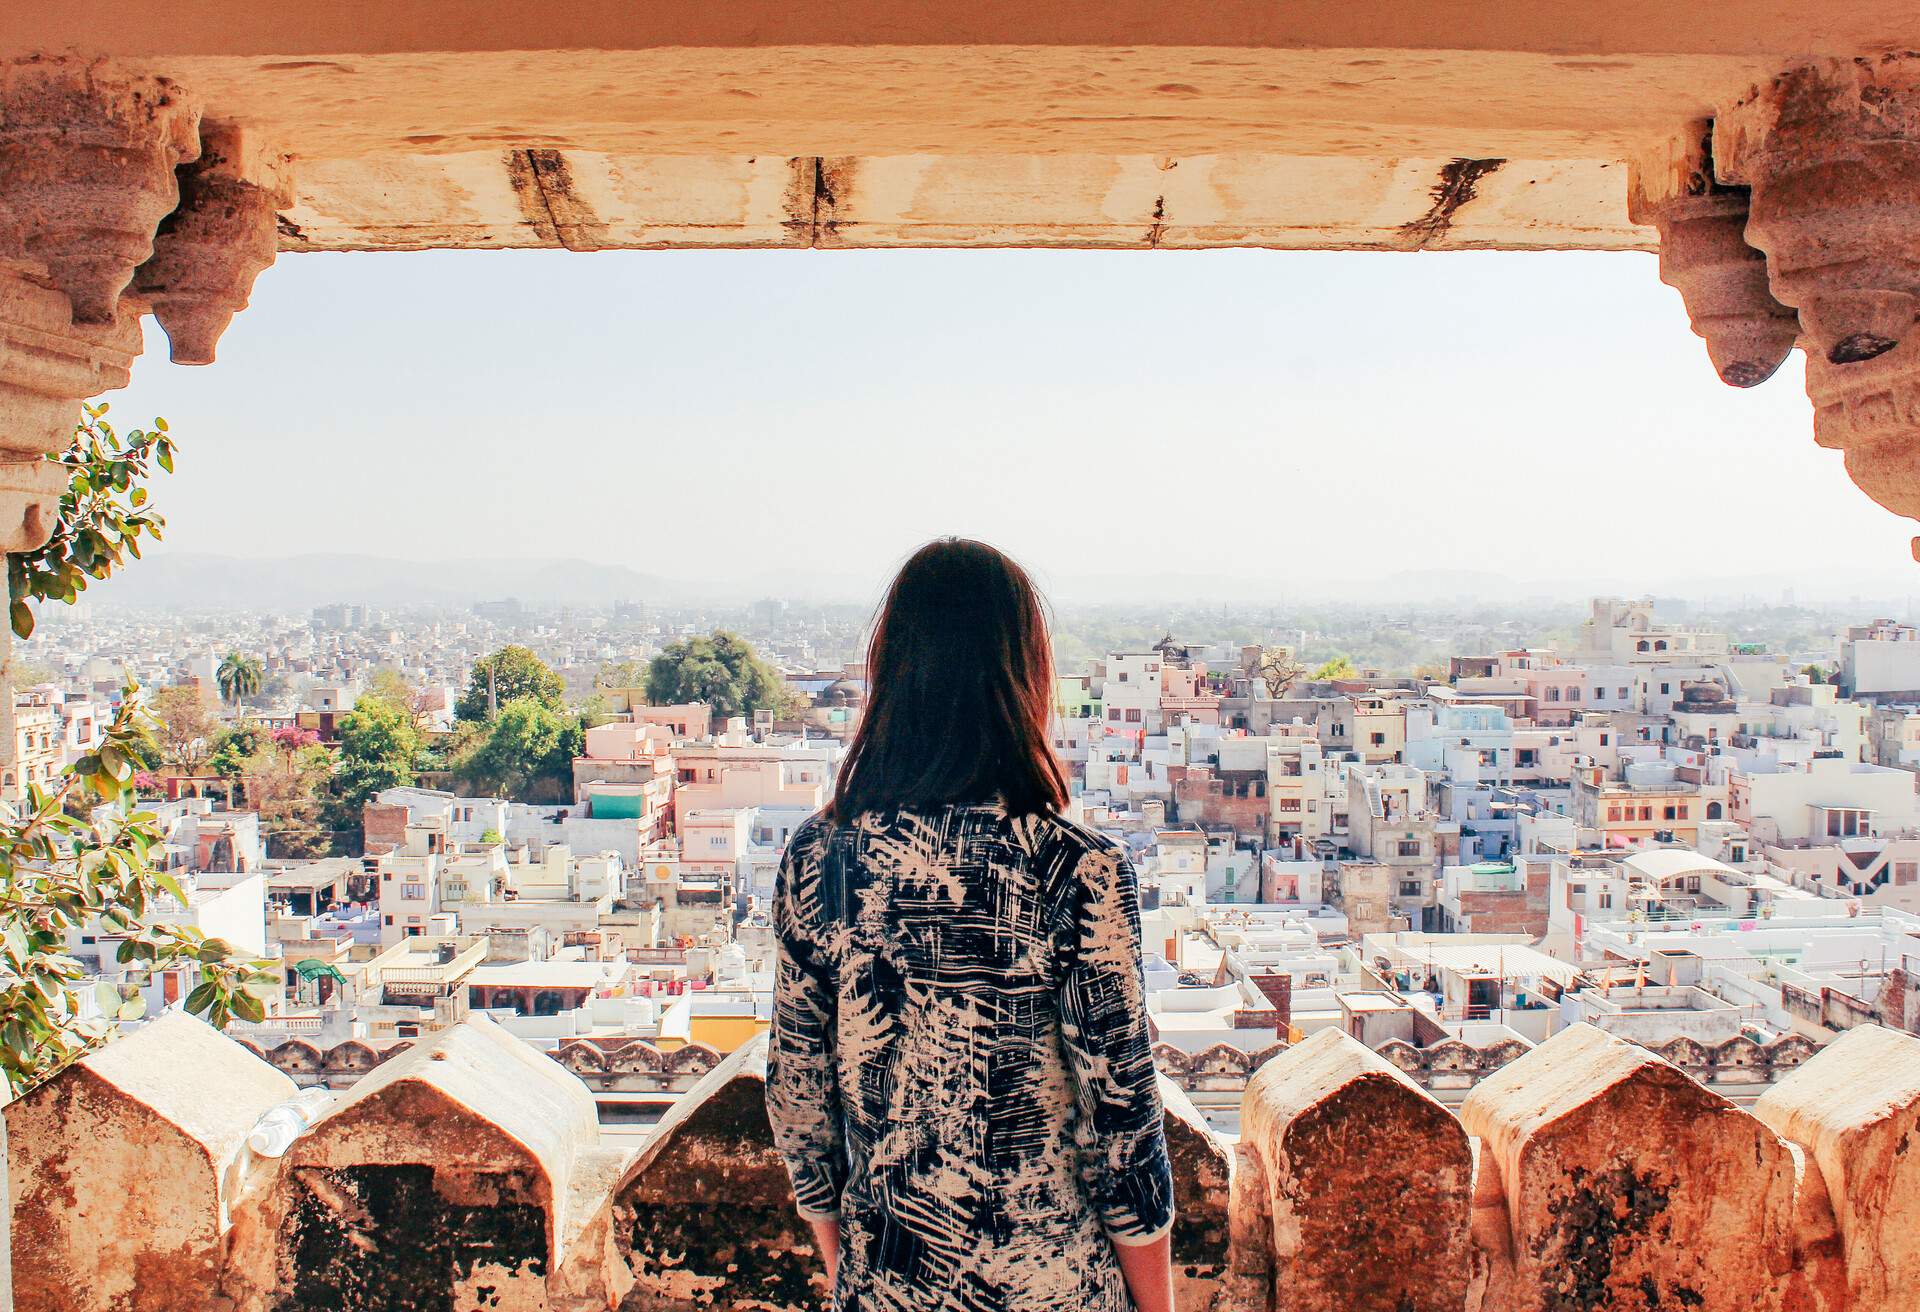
(193, 580)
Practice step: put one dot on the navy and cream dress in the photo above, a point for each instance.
(960, 1066)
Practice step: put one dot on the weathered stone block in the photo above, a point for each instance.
(467, 1172)
(1353, 1190)
(705, 1214)
(1202, 1176)
(123, 1168)
(1630, 1187)
(1855, 1108)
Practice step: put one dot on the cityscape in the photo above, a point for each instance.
(1467, 462)
(1437, 832)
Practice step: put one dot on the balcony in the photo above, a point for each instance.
(469, 1171)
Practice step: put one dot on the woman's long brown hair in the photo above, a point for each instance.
(960, 688)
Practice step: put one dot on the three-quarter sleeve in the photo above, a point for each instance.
(802, 1099)
(1103, 1017)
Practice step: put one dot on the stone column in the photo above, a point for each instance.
(1831, 151)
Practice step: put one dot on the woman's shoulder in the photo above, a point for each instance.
(1068, 843)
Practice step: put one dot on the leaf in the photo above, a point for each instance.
(22, 615)
(249, 1008)
(107, 998)
(201, 997)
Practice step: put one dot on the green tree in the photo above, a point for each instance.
(60, 874)
(525, 753)
(621, 674)
(100, 519)
(234, 746)
(721, 670)
(379, 745)
(184, 728)
(1340, 667)
(239, 678)
(285, 781)
(508, 675)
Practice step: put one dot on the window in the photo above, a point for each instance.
(1714, 810)
(1646, 812)
(1684, 811)
(1613, 813)
(1289, 804)
(1409, 889)
(1603, 740)
(388, 876)
(1410, 847)
(1379, 740)
(389, 920)
(1123, 676)
(1669, 812)
(417, 892)
(1553, 694)
(1133, 715)
(1606, 898)
(1905, 872)
(1113, 713)
(1573, 694)
(1666, 688)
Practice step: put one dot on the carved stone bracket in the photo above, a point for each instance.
(208, 252)
(47, 364)
(87, 163)
(1704, 256)
(1832, 153)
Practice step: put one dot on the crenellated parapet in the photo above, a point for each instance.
(468, 1171)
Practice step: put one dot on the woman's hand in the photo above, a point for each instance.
(1148, 1269)
(826, 1237)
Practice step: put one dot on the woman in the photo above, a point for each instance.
(960, 1077)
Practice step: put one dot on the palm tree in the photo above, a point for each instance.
(239, 678)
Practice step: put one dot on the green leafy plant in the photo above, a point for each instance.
(77, 857)
(102, 516)
(61, 874)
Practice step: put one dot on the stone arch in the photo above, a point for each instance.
(549, 1002)
(1715, 811)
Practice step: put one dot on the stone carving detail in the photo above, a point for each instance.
(467, 1171)
(1832, 152)
(1704, 255)
(208, 251)
(87, 164)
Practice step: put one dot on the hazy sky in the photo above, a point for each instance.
(748, 415)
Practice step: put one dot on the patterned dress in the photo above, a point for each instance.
(960, 1066)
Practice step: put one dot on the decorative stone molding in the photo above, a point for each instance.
(1704, 256)
(1628, 1185)
(87, 156)
(124, 1169)
(466, 1171)
(47, 364)
(1356, 1186)
(224, 233)
(1832, 152)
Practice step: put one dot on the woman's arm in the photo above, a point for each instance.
(1103, 1025)
(826, 1237)
(1148, 1269)
(803, 1103)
